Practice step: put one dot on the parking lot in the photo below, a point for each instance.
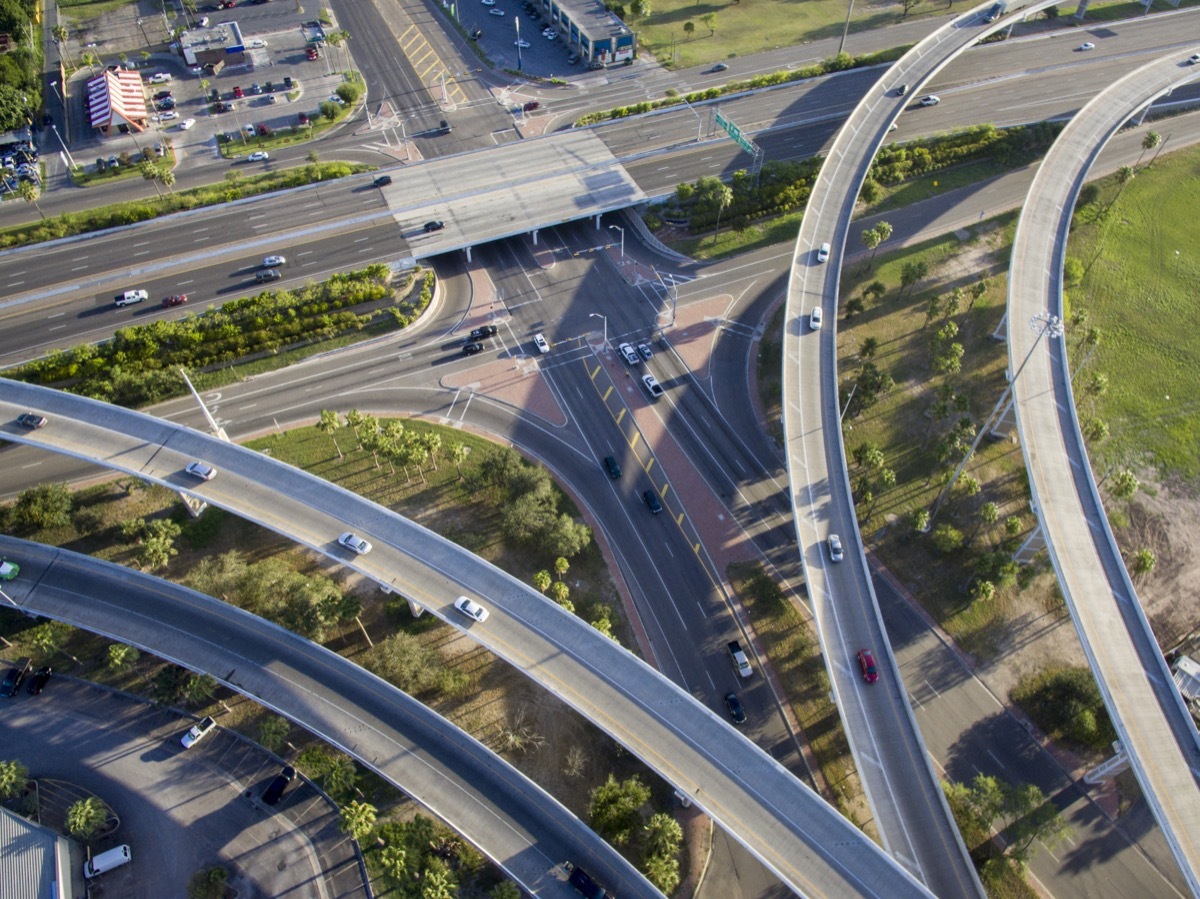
(276, 88)
(497, 25)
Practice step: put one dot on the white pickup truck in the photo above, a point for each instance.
(740, 662)
(129, 297)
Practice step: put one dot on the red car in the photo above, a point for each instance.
(303, 118)
(312, 52)
(866, 661)
(531, 106)
(237, 93)
(175, 300)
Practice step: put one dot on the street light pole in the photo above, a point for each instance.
(517, 22)
(605, 319)
(1046, 325)
(622, 230)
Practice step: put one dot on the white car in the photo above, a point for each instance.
(159, 78)
(166, 116)
(201, 471)
(259, 156)
(1087, 45)
(814, 318)
(550, 35)
(628, 353)
(198, 732)
(524, 45)
(823, 253)
(652, 386)
(257, 44)
(274, 261)
(354, 543)
(1194, 59)
(489, 2)
(930, 100)
(471, 609)
(336, 99)
(835, 547)
(187, 124)
(495, 12)
(539, 341)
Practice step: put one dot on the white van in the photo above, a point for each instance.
(106, 861)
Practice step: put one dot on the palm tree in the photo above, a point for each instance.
(167, 177)
(60, 34)
(724, 196)
(150, 172)
(1149, 142)
(89, 59)
(29, 192)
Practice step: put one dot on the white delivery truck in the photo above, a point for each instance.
(106, 861)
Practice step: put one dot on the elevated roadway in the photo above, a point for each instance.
(793, 832)
(523, 829)
(1156, 731)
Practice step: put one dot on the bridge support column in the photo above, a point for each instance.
(416, 609)
(1033, 545)
(469, 253)
(194, 504)
(535, 236)
(1105, 770)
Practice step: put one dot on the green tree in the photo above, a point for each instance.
(459, 452)
(1073, 271)
(989, 514)
(663, 872)
(210, 883)
(438, 882)
(85, 817)
(709, 19)
(689, 28)
(542, 580)
(199, 689)
(394, 861)
(723, 196)
(561, 567)
(912, 272)
(662, 835)
(329, 423)
(868, 348)
(1144, 561)
(49, 638)
(947, 538)
(560, 593)
(150, 173)
(506, 889)
(329, 109)
(1125, 484)
(13, 777)
(44, 506)
(983, 590)
(613, 809)
(357, 819)
(121, 657)
(640, 8)
(273, 732)
(1149, 142)
(29, 192)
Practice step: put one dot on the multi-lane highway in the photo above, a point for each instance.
(514, 822)
(1155, 727)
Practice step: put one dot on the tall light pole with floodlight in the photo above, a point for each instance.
(605, 320)
(622, 230)
(1046, 325)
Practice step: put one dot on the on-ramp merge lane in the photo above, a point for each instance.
(806, 843)
(1120, 646)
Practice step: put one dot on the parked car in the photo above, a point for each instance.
(159, 78)
(275, 789)
(354, 543)
(163, 95)
(312, 52)
(31, 420)
(303, 117)
(256, 88)
(628, 353)
(264, 131)
(15, 676)
(198, 732)
(37, 683)
(238, 93)
(531, 106)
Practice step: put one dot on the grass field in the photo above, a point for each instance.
(1141, 287)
